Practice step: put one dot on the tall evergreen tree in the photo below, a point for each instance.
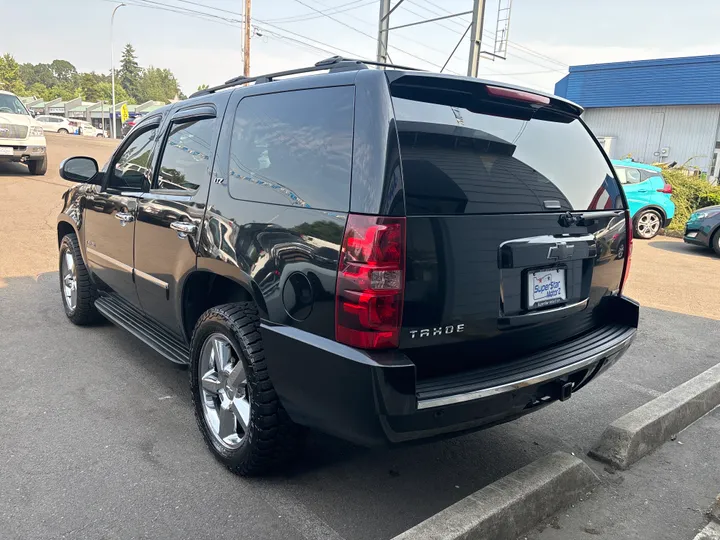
(130, 71)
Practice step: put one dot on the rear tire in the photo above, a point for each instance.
(647, 224)
(231, 387)
(77, 291)
(38, 167)
(62, 131)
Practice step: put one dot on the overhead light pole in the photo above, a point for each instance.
(112, 69)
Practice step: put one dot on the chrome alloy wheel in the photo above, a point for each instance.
(69, 280)
(648, 224)
(225, 397)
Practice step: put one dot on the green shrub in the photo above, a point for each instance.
(689, 194)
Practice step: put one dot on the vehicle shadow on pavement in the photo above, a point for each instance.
(682, 247)
(13, 169)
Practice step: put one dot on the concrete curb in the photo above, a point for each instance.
(513, 505)
(641, 431)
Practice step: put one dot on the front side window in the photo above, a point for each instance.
(131, 168)
(186, 160)
(294, 148)
(11, 104)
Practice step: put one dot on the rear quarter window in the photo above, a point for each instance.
(294, 148)
(460, 162)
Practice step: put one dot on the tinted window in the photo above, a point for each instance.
(294, 148)
(131, 168)
(185, 164)
(460, 162)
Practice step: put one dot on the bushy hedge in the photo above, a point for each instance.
(689, 194)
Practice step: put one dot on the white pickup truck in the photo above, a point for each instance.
(21, 137)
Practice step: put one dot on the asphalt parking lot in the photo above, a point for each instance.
(98, 439)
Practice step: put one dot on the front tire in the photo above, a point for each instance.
(78, 292)
(715, 242)
(236, 407)
(647, 224)
(38, 167)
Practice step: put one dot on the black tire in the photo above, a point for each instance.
(272, 440)
(38, 167)
(715, 242)
(640, 230)
(62, 131)
(84, 312)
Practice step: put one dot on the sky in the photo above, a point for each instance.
(546, 36)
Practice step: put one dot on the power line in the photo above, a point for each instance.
(374, 38)
(333, 11)
(491, 35)
(417, 42)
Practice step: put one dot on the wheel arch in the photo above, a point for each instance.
(204, 289)
(655, 207)
(64, 227)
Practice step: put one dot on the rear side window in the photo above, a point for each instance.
(627, 175)
(460, 162)
(294, 148)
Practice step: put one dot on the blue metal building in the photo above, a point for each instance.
(666, 109)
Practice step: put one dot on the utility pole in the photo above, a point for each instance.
(383, 31)
(476, 30)
(248, 33)
(112, 67)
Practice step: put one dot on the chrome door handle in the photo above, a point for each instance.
(124, 218)
(183, 228)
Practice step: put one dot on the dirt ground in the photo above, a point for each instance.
(666, 273)
(30, 205)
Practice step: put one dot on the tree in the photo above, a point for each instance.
(10, 75)
(64, 71)
(157, 84)
(104, 92)
(130, 72)
(38, 90)
(202, 87)
(38, 73)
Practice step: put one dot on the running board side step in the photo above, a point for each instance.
(127, 316)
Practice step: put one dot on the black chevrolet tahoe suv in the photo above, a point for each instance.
(380, 254)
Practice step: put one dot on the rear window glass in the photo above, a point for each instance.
(460, 162)
(294, 148)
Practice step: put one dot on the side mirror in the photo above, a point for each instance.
(78, 169)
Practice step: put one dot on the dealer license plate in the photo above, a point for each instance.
(6, 150)
(546, 287)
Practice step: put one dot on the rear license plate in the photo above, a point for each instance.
(6, 151)
(546, 287)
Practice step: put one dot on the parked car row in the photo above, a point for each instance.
(64, 126)
(651, 209)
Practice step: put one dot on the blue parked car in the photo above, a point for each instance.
(648, 196)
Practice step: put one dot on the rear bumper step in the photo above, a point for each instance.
(603, 343)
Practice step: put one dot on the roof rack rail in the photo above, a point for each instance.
(333, 64)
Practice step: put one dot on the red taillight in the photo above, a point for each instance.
(370, 282)
(628, 249)
(667, 188)
(517, 95)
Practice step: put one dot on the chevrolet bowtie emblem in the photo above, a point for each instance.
(560, 251)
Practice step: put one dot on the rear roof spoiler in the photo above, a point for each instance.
(449, 81)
